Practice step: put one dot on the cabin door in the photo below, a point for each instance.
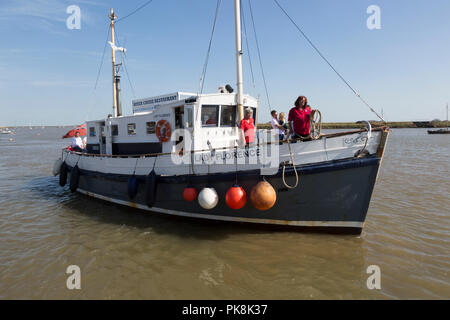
(108, 138)
(102, 139)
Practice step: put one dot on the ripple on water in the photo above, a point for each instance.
(125, 253)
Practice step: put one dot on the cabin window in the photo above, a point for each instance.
(91, 132)
(151, 127)
(132, 129)
(188, 118)
(253, 114)
(227, 116)
(114, 130)
(209, 116)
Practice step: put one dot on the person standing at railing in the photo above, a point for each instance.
(299, 118)
(276, 125)
(248, 126)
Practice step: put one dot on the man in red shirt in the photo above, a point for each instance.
(248, 126)
(299, 118)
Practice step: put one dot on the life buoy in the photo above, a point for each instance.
(163, 130)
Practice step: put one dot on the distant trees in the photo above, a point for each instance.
(436, 123)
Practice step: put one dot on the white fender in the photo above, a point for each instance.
(208, 198)
(57, 167)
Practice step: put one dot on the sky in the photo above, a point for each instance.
(48, 71)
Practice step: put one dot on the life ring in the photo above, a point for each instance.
(163, 130)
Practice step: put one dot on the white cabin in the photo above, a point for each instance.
(210, 118)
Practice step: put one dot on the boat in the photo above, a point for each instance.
(184, 154)
(441, 131)
(6, 131)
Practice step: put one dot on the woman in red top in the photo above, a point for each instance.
(248, 126)
(299, 118)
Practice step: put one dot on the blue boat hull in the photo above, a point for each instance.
(331, 196)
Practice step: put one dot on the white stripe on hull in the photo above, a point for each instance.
(342, 224)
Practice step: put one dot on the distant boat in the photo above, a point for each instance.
(6, 131)
(441, 131)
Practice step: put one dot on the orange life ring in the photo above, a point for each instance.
(163, 130)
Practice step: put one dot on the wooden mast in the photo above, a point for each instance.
(113, 17)
(240, 90)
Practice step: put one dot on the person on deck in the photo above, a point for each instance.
(276, 125)
(299, 118)
(77, 143)
(248, 126)
(282, 121)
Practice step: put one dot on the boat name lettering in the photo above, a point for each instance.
(360, 139)
(155, 100)
(228, 155)
(162, 115)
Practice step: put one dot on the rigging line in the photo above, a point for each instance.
(124, 58)
(328, 62)
(103, 57)
(259, 55)
(248, 47)
(133, 12)
(99, 71)
(205, 66)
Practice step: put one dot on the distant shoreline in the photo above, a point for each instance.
(394, 124)
(327, 125)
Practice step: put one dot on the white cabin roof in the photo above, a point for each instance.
(150, 104)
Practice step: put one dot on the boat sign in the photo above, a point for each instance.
(152, 103)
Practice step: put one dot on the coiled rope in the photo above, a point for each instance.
(295, 169)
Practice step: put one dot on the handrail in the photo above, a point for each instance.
(151, 155)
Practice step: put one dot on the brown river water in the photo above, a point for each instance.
(124, 253)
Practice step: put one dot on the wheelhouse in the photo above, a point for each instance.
(209, 119)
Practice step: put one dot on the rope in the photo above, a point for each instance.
(259, 55)
(133, 12)
(205, 66)
(248, 47)
(124, 58)
(134, 171)
(192, 163)
(313, 125)
(295, 169)
(328, 62)
(103, 57)
(98, 74)
(236, 167)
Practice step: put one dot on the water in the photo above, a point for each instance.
(126, 253)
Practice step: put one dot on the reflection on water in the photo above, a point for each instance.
(127, 253)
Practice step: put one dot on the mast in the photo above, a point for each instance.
(113, 17)
(240, 90)
(447, 117)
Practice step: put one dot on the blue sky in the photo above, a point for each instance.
(48, 72)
